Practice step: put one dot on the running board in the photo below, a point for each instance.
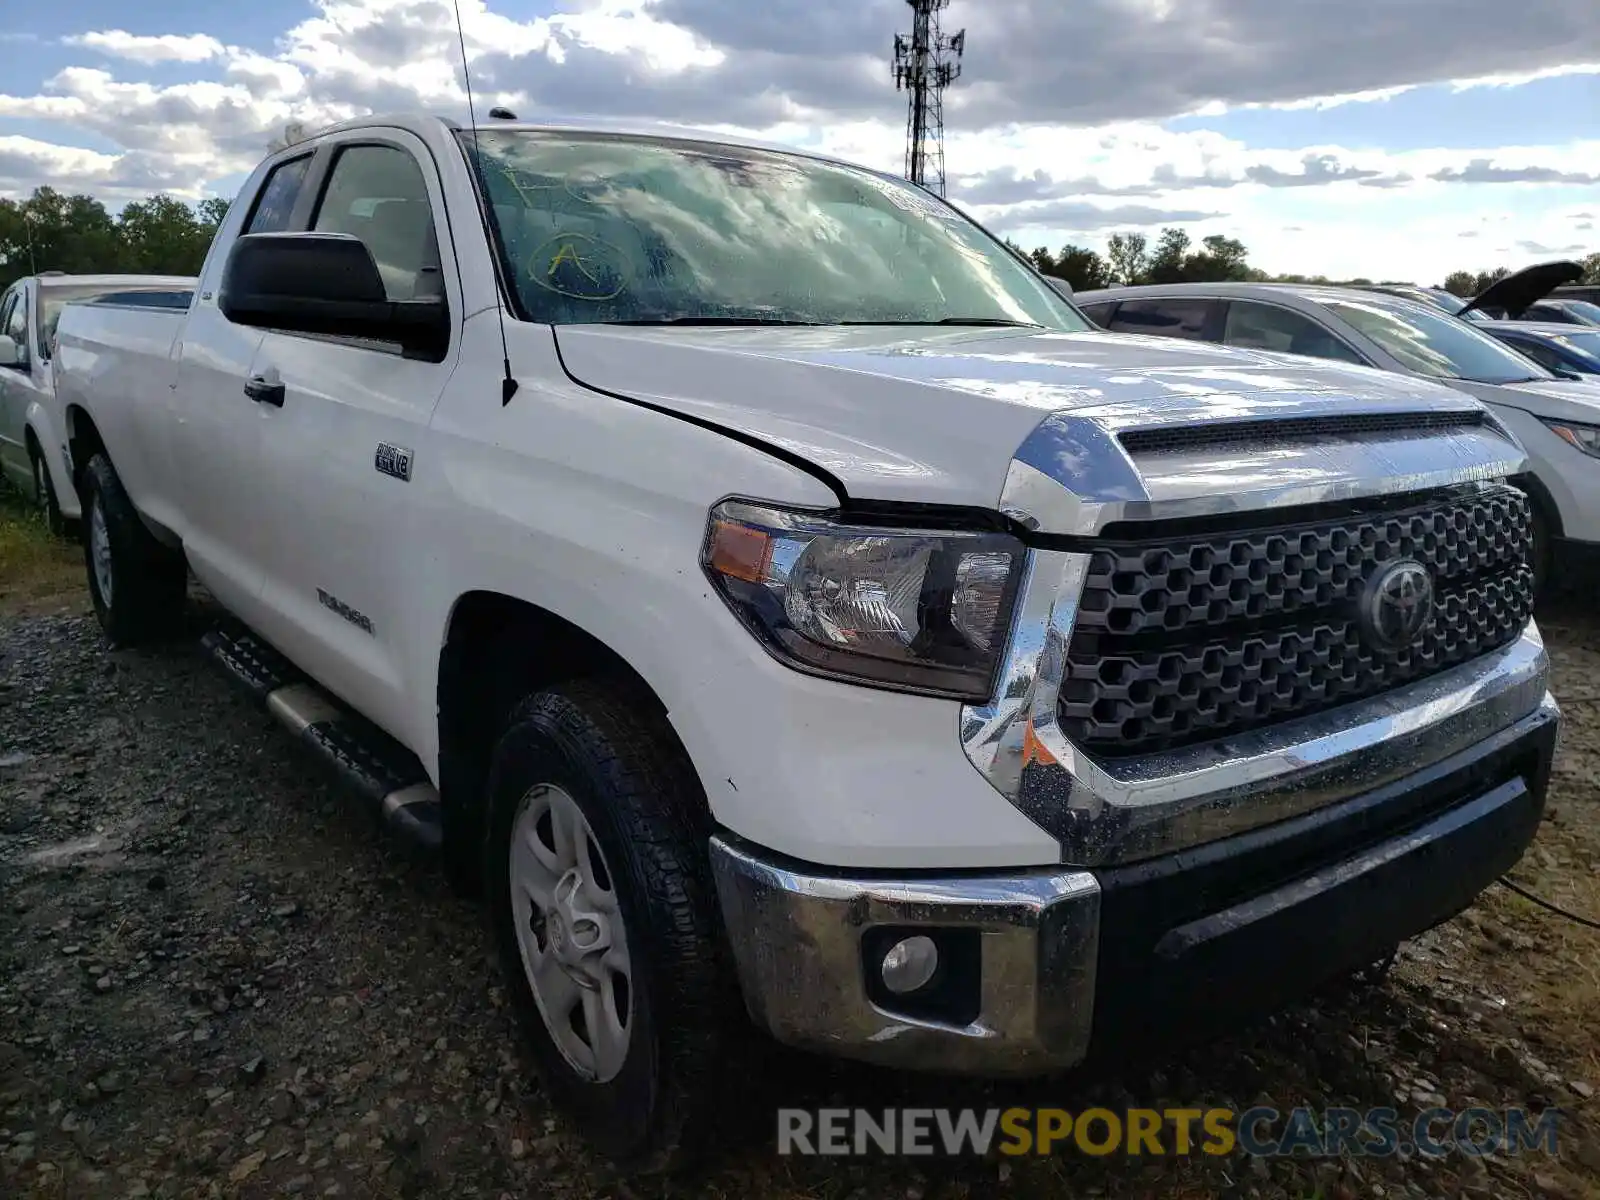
(370, 762)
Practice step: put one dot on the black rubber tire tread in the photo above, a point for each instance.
(149, 580)
(622, 765)
(45, 494)
(1545, 581)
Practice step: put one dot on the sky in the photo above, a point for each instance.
(1392, 139)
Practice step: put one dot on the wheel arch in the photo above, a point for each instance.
(1542, 501)
(83, 443)
(496, 650)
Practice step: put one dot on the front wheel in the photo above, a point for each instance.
(136, 584)
(606, 923)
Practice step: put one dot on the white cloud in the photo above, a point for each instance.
(193, 48)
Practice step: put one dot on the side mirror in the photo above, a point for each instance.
(325, 283)
(10, 356)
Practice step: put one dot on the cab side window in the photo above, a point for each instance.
(276, 200)
(1268, 327)
(1172, 317)
(378, 194)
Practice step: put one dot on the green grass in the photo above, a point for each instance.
(37, 571)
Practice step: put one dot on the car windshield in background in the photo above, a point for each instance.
(1583, 310)
(1435, 344)
(1585, 342)
(598, 228)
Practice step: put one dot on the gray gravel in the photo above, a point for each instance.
(217, 979)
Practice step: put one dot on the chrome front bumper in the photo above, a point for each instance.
(1178, 933)
(798, 941)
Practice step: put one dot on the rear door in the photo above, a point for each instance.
(341, 449)
(216, 431)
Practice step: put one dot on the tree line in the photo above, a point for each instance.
(51, 231)
(1130, 259)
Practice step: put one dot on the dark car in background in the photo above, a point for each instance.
(1564, 349)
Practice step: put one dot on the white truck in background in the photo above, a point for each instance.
(32, 436)
(778, 601)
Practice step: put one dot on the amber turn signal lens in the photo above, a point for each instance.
(740, 552)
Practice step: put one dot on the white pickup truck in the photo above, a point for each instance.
(32, 433)
(778, 600)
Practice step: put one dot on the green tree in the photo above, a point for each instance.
(1461, 283)
(163, 236)
(53, 232)
(1487, 278)
(1169, 259)
(1127, 254)
(1223, 259)
(1082, 268)
(50, 231)
(1591, 269)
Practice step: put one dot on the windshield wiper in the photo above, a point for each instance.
(709, 321)
(1002, 322)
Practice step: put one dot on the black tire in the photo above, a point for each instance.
(1542, 557)
(44, 495)
(148, 580)
(643, 803)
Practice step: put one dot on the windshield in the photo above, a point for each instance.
(1453, 304)
(1432, 343)
(598, 228)
(1585, 344)
(1583, 310)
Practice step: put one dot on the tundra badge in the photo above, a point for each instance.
(357, 618)
(393, 460)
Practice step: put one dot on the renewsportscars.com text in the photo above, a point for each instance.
(1260, 1132)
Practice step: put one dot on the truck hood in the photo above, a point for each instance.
(935, 416)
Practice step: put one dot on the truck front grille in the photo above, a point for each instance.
(1188, 638)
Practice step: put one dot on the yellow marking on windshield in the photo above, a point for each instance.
(590, 263)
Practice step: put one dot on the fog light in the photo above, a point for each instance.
(909, 964)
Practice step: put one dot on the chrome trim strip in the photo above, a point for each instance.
(1118, 811)
(1072, 476)
(796, 938)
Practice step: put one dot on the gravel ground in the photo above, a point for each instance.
(217, 979)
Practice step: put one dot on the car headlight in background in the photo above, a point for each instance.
(1584, 437)
(914, 609)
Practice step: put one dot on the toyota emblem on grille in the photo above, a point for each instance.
(1397, 605)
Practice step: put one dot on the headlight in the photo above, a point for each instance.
(912, 609)
(1584, 437)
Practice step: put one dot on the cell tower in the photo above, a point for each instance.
(925, 63)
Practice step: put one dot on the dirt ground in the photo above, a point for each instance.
(217, 979)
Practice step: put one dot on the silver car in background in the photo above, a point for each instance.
(1557, 420)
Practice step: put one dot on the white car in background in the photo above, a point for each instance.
(32, 434)
(1557, 420)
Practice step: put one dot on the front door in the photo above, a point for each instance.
(15, 389)
(343, 452)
